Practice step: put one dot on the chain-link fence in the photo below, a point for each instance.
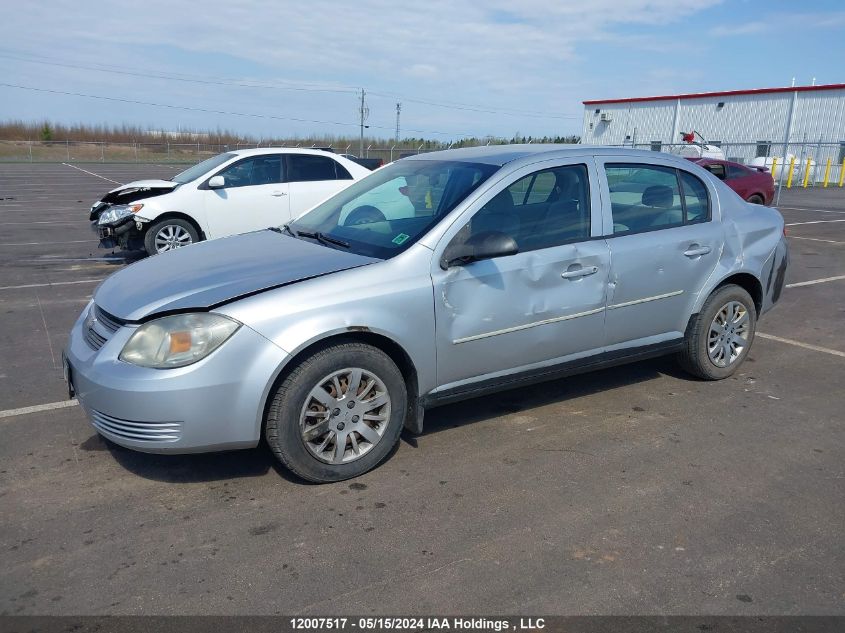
(163, 152)
(94, 151)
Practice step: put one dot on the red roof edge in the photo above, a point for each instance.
(726, 93)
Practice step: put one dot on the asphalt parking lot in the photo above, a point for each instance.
(635, 490)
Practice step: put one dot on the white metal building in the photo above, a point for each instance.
(746, 123)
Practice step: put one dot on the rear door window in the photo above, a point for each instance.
(310, 168)
(651, 197)
(696, 200)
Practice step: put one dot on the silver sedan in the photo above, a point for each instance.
(436, 278)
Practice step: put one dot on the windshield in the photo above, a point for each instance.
(192, 173)
(386, 212)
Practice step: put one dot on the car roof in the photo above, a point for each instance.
(500, 155)
(280, 150)
(718, 161)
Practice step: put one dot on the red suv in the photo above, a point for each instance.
(753, 184)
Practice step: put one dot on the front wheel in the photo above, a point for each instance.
(755, 199)
(167, 235)
(338, 414)
(720, 336)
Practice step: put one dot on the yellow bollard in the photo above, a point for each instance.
(807, 172)
(842, 173)
(774, 169)
(791, 171)
(827, 172)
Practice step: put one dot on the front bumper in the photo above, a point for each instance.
(122, 234)
(214, 404)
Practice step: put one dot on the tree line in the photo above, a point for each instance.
(45, 131)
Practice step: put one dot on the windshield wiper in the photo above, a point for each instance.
(320, 237)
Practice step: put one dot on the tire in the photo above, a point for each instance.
(304, 418)
(168, 235)
(365, 214)
(731, 304)
(755, 199)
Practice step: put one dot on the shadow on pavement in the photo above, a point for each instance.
(554, 391)
(257, 462)
(193, 468)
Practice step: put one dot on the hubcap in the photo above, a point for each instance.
(728, 334)
(171, 236)
(345, 415)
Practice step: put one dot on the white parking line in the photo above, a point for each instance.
(814, 222)
(813, 239)
(40, 222)
(813, 282)
(806, 209)
(10, 413)
(93, 174)
(789, 341)
(55, 283)
(45, 243)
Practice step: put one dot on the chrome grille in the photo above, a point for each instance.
(112, 324)
(133, 430)
(99, 326)
(93, 338)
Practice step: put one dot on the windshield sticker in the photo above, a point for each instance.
(400, 239)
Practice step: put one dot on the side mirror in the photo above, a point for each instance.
(484, 245)
(216, 182)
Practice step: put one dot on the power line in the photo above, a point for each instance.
(187, 79)
(224, 112)
(304, 87)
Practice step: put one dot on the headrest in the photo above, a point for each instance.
(659, 196)
(501, 203)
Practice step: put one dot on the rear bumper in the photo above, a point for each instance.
(215, 404)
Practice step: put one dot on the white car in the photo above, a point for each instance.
(235, 192)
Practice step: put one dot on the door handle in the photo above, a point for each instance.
(580, 272)
(696, 251)
(278, 194)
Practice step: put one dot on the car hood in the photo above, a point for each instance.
(146, 184)
(137, 190)
(208, 274)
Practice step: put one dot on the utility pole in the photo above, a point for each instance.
(398, 110)
(364, 111)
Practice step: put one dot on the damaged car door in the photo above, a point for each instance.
(506, 314)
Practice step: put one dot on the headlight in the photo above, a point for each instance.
(179, 340)
(118, 212)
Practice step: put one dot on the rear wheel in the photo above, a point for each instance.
(170, 234)
(721, 334)
(755, 199)
(338, 414)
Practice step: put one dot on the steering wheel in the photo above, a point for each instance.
(365, 214)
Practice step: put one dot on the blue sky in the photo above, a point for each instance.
(284, 69)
